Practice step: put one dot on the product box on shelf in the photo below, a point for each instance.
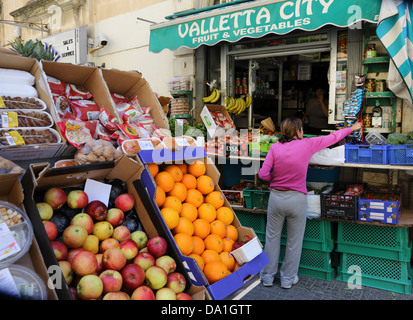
(42, 176)
(216, 120)
(237, 279)
(131, 84)
(32, 151)
(379, 206)
(11, 191)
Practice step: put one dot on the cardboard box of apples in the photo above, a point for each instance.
(89, 221)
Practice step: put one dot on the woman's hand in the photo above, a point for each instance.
(356, 126)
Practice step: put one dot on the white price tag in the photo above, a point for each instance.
(182, 142)
(8, 245)
(145, 145)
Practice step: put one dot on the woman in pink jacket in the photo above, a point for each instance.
(286, 168)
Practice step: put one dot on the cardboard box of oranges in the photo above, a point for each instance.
(186, 198)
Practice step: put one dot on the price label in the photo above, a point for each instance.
(8, 245)
(145, 145)
(9, 120)
(182, 142)
(2, 104)
(14, 138)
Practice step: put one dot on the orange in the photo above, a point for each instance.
(189, 211)
(215, 271)
(202, 228)
(184, 243)
(199, 245)
(236, 266)
(195, 197)
(159, 196)
(219, 228)
(216, 198)
(184, 226)
(226, 215)
(210, 256)
(172, 202)
(198, 259)
(179, 190)
(197, 168)
(170, 216)
(207, 211)
(232, 232)
(214, 242)
(165, 180)
(205, 184)
(183, 167)
(175, 171)
(189, 181)
(227, 244)
(228, 260)
(153, 168)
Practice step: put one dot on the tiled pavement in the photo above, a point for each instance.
(315, 289)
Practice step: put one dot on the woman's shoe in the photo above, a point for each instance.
(289, 286)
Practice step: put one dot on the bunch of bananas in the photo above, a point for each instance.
(213, 97)
(238, 105)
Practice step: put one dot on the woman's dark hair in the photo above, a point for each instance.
(289, 128)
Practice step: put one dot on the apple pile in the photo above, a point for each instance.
(240, 243)
(102, 259)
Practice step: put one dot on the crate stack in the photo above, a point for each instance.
(317, 253)
(375, 256)
(256, 221)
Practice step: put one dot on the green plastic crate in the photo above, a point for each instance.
(256, 198)
(257, 221)
(318, 235)
(380, 273)
(377, 241)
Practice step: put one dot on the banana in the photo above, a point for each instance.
(235, 107)
(239, 101)
(217, 95)
(242, 106)
(230, 103)
(248, 101)
(210, 97)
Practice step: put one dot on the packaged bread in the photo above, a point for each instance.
(96, 151)
(177, 143)
(133, 146)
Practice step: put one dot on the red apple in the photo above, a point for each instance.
(77, 199)
(167, 263)
(114, 258)
(99, 258)
(121, 233)
(116, 296)
(143, 293)
(176, 281)
(60, 250)
(97, 210)
(108, 243)
(45, 210)
(56, 197)
(84, 220)
(157, 246)
(165, 294)
(84, 263)
(145, 260)
(112, 280)
(140, 237)
(133, 276)
(73, 252)
(67, 271)
(155, 277)
(89, 287)
(129, 248)
(183, 296)
(125, 202)
(51, 229)
(74, 236)
(115, 216)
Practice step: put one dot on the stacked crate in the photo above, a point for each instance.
(256, 221)
(317, 252)
(375, 256)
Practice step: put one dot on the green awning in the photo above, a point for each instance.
(255, 19)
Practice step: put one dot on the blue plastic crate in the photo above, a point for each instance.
(400, 154)
(365, 153)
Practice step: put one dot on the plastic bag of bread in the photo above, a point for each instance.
(133, 146)
(178, 143)
(96, 151)
(7, 166)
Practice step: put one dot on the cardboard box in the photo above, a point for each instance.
(235, 280)
(88, 78)
(130, 84)
(11, 191)
(40, 151)
(41, 177)
(215, 129)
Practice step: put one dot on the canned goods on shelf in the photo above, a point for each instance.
(380, 85)
(370, 85)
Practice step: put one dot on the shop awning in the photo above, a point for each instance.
(255, 19)
(395, 31)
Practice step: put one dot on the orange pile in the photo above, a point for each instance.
(195, 213)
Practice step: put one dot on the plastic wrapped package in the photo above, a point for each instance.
(21, 103)
(16, 76)
(96, 151)
(17, 90)
(7, 166)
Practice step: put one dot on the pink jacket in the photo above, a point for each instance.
(286, 163)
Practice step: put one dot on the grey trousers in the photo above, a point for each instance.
(289, 206)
